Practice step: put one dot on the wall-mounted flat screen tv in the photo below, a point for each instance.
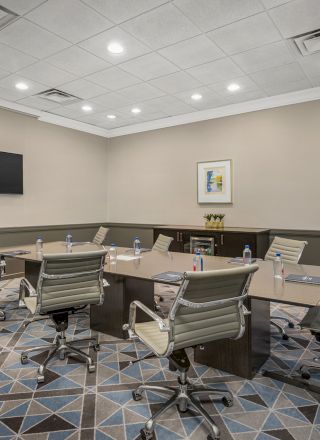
(11, 173)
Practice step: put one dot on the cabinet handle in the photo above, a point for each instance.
(177, 236)
(221, 239)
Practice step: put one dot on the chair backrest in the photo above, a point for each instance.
(163, 243)
(209, 306)
(70, 280)
(100, 235)
(291, 250)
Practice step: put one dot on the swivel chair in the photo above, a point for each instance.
(311, 321)
(100, 235)
(208, 307)
(162, 244)
(66, 281)
(291, 251)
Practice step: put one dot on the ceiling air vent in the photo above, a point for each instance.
(308, 44)
(6, 17)
(58, 96)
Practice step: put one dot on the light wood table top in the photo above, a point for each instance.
(263, 286)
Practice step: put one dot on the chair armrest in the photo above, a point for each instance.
(132, 317)
(105, 283)
(25, 290)
(217, 302)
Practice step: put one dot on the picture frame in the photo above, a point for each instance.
(215, 181)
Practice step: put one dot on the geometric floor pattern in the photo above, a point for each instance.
(76, 405)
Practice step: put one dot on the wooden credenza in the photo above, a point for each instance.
(228, 242)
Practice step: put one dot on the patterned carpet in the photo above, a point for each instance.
(74, 404)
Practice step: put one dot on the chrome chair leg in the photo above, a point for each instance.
(281, 330)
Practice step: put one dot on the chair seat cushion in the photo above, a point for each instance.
(150, 334)
(31, 303)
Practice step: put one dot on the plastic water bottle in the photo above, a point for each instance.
(197, 262)
(113, 253)
(278, 271)
(39, 245)
(2, 267)
(247, 256)
(137, 246)
(69, 242)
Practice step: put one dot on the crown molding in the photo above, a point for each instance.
(221, 112)
(307, 95)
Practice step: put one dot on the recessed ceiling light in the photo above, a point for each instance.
(111, 116)
(115, 47)
(86, 108)
(233, 87)
(22, 86)
(196, 96)
(135, 110)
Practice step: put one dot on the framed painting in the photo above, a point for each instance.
(215, 181)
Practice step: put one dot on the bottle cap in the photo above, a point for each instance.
(278, 254)
(247, 246)
(113, 244)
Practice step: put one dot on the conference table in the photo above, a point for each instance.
(131, 278)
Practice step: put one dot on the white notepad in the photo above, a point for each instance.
(127, 257)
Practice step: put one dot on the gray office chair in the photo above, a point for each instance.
(208, 307)
(291, 251)
(100, 235)
(162, 244)
(66, 281)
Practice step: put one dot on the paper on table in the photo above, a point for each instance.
(127, 257)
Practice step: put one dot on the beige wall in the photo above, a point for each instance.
(64, 174)
(276, 158)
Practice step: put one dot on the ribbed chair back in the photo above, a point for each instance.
(163, 243)
(70, 280)
(291, 250)
(100, 235)
(209, 306)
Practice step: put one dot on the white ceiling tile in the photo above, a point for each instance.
(264, 57)
(149, 66)
(212, 14)
(76, 108)
(38, 103)
(292, 86)
(65, 112)
(311, 65)
(21, 6)
(141, 92)
(31, 39)
(119, 11)
(246, 85)
(210, 99)
(112, 100)
(279, 75)
(82, 89)
(192, 52)
(46, 74)
(77, 61)
(315, 81)
(99, 43)
(170, 105)
(9, 83)
(246, 34)
(70, 19)
(216, 71)
(246, 96)
(13, 60)
(161, 27)
(176, 82)
(3, 73)
(273, 3)
(113, 78)
(9, 94)
(297, 17)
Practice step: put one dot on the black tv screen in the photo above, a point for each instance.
(11, 173)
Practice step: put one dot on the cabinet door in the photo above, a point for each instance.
(232, 244)
(177, 244)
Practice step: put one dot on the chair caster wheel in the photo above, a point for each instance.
(212, 438)
(91, 368)
(291, 325)
(181, 412)
(24, 359)
(136, 396)
(305, 373)
(227, 401)
(2, 317)
(285, 337)
(146, 435)
(96, 347)
(40, 378)
(62, 355)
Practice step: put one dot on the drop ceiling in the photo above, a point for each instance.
(172, 50)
